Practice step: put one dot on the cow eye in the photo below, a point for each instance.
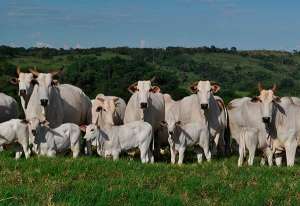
(98, 109)
(92, 130)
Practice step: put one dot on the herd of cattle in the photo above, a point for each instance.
(57, 114)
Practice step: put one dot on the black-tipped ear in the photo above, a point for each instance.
(277, 99)
(178, 123)
(163, 123)
(255, 99)
(14, 81)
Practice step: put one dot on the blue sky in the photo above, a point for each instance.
(252, 24)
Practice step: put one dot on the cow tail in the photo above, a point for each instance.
(227, 138)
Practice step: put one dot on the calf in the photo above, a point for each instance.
(113, 140)
(15, 130)
(50, 141)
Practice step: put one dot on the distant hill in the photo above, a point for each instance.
(111, 70)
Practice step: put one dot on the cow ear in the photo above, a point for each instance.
(277, 99)
(54, 82)
(163, 123)
(215, 87)
(194, 88)
(155, 89)
(14, 81)
(82, 128)
(24, 121)
(34, 82)
(255, 99)
(115, 99)
(178, 123)
(133, 88)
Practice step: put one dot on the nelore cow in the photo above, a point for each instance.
(59, 103)
(206, 109)
(147, 103)
(24, 81)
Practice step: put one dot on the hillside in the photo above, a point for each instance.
(110, 71)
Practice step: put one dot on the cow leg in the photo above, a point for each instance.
(290, 149)
(19, 152)
(241, 154)
(269, 154)
(207, 153)
(173, 153)
(115, 155)
(26, 150)
(251, 150)
(181, 155)
(199, 153)
(75, 150)
(1, 148)
(51, 153)
(150, 156)
(263, 161)
(144, 153)
(88, 148)
(278, 159)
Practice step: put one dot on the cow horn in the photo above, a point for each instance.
(54, 73)
(18, 70)
(274, 88)
(34, 71)
(260, 87)
(152, 79)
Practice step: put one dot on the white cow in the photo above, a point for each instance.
(113, 140)
(147, 103)
(207, 109)
(8, 108)
(51, 141)
(111, 104)
(24, 81)
(15, 130)
(59, 103)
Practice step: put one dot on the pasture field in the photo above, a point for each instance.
(96, 181)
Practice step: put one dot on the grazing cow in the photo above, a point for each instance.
(8, 108)
(24, 80)
(113, 140)
(207, 109)
(147, 103)
(15, 130)
(51, 141)
(59, 103)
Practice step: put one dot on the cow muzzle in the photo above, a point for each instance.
(44, 102)
(204, 106)
(22, 92)
(33, 132)
(144, 105)
(266, 119)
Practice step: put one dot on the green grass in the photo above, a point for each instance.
(95, 181)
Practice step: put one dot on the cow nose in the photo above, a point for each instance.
(144, 105)
(204, 106)
(33, 132)
(22, 92)
(44, 102)
(266, 119)
(171, 133)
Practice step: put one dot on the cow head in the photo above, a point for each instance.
(104, 109)
(35, 125)
(24, 81)
(266, 99)
(204, 91)
(143, 90)
(45, 84)
(91, 132)
(171, 124)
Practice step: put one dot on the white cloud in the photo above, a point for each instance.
(43, 45)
